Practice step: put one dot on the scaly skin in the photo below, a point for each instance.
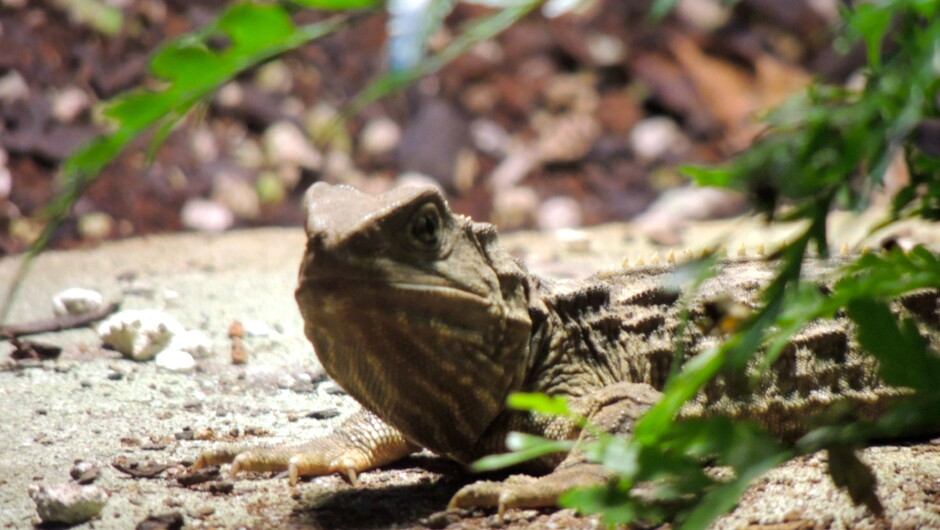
(421, 317)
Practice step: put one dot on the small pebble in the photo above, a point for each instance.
(236, 194)
(206, 216)
(95, 226)
(706, 15)
(274, 77)
(286, 381)
(69, 504)
(515, 207)
(489, 137)
(573, 240)
(257, 328)
(76, 301)
(332, 389)
(204, 145)
(13, 87)
(652, 138)
(380, 136)
(559, 212)
(163, 521)
(6, 178)
(175, 360)
(604, 49)
(69, 103)
(284, 143)
(85, 471)
(324, 414)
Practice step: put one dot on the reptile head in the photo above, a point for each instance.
(414, 310)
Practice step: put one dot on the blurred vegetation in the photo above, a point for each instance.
(829, 147)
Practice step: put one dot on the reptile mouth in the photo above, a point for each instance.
(333, 284)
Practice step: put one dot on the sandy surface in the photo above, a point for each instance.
(93, 405)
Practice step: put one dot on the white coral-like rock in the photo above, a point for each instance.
(139, 334)
(70, 504)
(193, 342)
(76, 301)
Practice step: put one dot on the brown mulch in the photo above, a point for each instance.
(569, 90)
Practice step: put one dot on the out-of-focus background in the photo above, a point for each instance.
(564, 122)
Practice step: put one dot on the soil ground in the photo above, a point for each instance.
(91, 404)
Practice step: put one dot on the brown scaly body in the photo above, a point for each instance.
(430, 325)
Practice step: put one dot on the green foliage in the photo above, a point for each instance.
(337, 5)
(834, 144)
(523, 447)
(830, 146)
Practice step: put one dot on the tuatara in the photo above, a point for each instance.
(421, 317)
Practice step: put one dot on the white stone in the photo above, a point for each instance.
(169, 295)
(573, 240)
(285, 143)
(559, 212)
(69, 504)
(204, 144)
(274, 77)
(489, 137)
(206, 216)
(706, 15)
(230, 95)
(6, 178)
(654, 137)
(517, 164)
(514, 207)
(139, 334)
(237, 195)
(380, 136)
(257, 328)
(175, 360)
(95, 225)
(13, 87)
(69, 103)
(286, 381)
(604, 49)
(76, 301)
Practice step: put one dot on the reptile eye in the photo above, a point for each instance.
(425, 227)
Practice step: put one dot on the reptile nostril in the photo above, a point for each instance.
(315, 243)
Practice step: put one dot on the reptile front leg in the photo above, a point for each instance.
(361, 442)
(613, 409)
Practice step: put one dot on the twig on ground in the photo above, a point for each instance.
(57, 323)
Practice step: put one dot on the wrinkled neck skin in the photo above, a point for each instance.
(431, 342)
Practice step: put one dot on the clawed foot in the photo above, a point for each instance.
(361, 443)
(523, 491)
(297, 461)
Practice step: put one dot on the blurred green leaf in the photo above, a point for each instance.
(871, 21)
(336, 5)
(524, 447)
(903, 352)
(537, 402)
(708, 176)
